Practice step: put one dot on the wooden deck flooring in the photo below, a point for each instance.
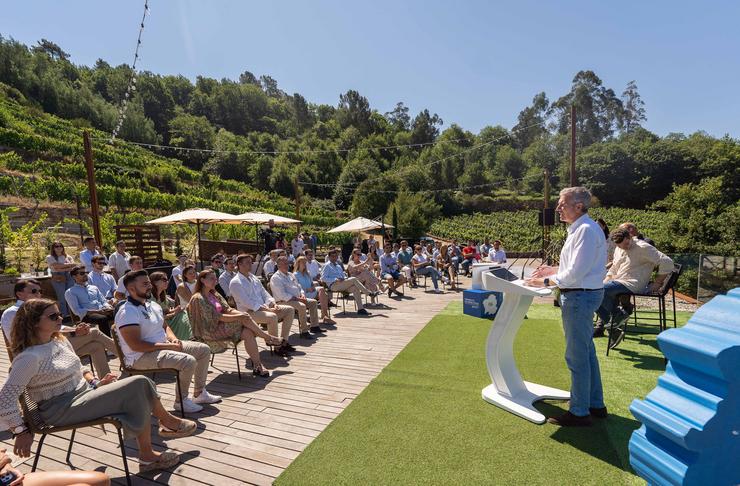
(262, 425)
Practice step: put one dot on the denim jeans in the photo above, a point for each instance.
(580, 354)
(59, 289)
(609, 302)
(430, 271)
(466, 263)
(455, 264)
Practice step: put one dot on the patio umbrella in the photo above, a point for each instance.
(264, 218)
(358, 225)
(197, 216)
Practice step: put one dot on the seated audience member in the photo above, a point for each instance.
(174, 314)
(46, 367)
(84, 339)
(251, 297)
(632, 267)
(287, 291)
(336, 281)
(455, 255)
(217, 264)
(297, 245)
(226, 276)
(214, 322)
(424, 266)
(485, 248)
(91, 249)
(497, 254)
(311, 289)
(187, 287)
(390, 271)
(634, 233)
(51, 478)
(445, 265)
(118, 261)
(135, 264)
(87, 302)
(404, 255)
(375, 250)
(60, 265)
(396, 249)
(102, 280)
(363, 271)
(177, 271)
(148, 342)
(469, 255)
(312, 265)
(270, 265)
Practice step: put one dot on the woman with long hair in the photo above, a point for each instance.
(363, 271)
(174, 315)
(312, 289)
(46, 367)
(216, 323)
(186, 289)
(60, 264)
(444, 264)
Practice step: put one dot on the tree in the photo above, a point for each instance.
(229, 160)
(531, 122)
(598, 110)
(270, 87)
(399, 118)
(414, 213)
(353, 173)
(424, 128)
(51, 49)
(509, 164)
(302, 116)
(248, 78)
(157, 102)
(281, 179)
(354, 110)
(373, 196)
(190, 131)
(634, 108)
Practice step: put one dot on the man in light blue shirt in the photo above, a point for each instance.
(333, 276)
(87, 302)
(103, 281)
(91, 249)
(390, 272)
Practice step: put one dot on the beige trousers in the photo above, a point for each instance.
(353, 286)
(311, 305)
(281, 313)
(94, 343)
(192, 362)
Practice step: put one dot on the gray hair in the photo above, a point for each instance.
(578, 195)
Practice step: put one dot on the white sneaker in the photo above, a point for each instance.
(446, 280)
(437, 291)
(206, 398)
(188, 406)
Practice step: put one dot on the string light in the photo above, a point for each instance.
(422, 191)
(131, 88)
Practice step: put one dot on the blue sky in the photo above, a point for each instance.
(475, 63)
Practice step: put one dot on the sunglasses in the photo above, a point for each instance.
(80, 273)
(35, 291)
(55, 316)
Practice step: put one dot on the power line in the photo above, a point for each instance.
(422, 191)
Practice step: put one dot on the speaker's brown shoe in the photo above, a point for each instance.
(570, 420)
(598, 412)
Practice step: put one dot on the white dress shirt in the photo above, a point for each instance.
(583, 257)
(7, 319)
(269, 267)
(296, 246)
(225, 279)
(285, 286)
(497, 256)
(314, 268)
(248, 293)
(119, 262)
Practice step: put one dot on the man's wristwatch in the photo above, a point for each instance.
(20, 430)
(546, 282)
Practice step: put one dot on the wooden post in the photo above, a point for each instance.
(573, 179)
(297, 192)
(546, 227)
(94, 207)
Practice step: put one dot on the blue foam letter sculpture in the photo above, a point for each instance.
(690, 430)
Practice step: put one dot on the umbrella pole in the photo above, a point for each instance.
(200, 256)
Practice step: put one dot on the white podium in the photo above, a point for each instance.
(508, 390)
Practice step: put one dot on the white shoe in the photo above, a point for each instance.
(206, 398)
(446, 280)
(188, 406)
(437, 291)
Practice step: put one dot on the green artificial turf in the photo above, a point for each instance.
(422, 420)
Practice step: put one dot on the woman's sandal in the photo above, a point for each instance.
(260, 371)
(165, 460)
(186, 428)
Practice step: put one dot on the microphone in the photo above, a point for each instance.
(525, 265)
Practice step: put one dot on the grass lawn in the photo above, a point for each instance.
(423, 421)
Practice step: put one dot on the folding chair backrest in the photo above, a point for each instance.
(119, 351)
(31, 413)
(7, 344)
(671, 280)
(75, 318)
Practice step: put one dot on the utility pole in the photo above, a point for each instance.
(94, 208)
(545, 225)
(573, 179)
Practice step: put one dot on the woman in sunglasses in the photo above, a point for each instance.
(46, 367)
(60, 264)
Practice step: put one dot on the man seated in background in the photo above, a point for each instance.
(84, 339)
(485, 248)
(91, 249)
(404, 256)
(270, 266)
(135, 263)
(634, 233)
(102, 280)
(182, 262)
(118, 261)
(333, 276)
(496, 254)
(87, 302)
(632, 267)
(297, 245)
(312, 265)
(226, 276)
(286, 290)
(469, 254)
(390, 271)
(217, 264)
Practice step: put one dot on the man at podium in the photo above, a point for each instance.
(580, 277)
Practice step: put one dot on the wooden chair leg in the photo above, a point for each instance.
(179, 394)
(38, 452)
(238, 367)
(71, 443)
(123, 456)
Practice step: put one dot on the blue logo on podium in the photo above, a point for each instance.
(482, 303)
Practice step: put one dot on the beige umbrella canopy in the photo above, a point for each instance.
(359, 224)
(264, 218)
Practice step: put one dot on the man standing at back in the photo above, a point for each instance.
(580, 277)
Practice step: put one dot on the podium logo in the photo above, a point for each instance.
(491, 304)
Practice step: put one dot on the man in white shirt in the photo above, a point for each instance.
(297, 245)
(135, 263)
(85, 340)
(148, 342)
(177, 271)
(251, 297)
(228, 273)
(118, 261)
(102, 280)
(630, 272)
(286, 290)
(423, 265)
(334, 277)
(312, 265)
(270, 265)
(496, 254)
(91, 249)
(580, 277)
(485, 248)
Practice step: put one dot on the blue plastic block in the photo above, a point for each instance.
(690, 430)
(482, 303)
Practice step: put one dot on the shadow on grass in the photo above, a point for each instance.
(601, 441)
